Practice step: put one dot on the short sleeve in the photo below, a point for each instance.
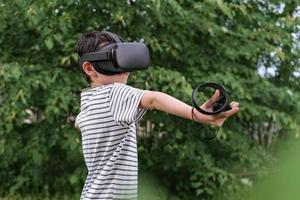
(124, 104)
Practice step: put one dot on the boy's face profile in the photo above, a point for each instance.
(89, 42)
(98, 79)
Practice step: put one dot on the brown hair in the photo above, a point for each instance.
(89, 42)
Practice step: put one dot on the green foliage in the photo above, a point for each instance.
(283, 182)
(190, 42)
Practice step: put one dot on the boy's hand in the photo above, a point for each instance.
(208, 105)
(220, 118)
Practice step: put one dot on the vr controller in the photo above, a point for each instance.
(118, 57)
(221, 105)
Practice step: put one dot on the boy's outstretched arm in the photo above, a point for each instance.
(169, 104)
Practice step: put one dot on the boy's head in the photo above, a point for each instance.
(89, 42)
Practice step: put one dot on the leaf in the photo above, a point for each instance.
(49, 43)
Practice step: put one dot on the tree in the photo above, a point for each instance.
(190, 42)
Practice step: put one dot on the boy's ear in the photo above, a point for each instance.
(88, 68)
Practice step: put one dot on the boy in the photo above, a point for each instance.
(109, 111)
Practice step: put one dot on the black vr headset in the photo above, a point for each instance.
(118, 57)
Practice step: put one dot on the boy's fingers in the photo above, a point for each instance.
(230, 112)
(234, 104)
(214, 98)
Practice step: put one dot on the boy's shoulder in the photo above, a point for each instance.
(114, 89)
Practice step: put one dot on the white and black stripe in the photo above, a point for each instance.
(107, 122)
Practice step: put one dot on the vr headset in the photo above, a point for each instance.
(118, 57)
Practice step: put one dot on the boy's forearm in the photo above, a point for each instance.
(169, 104)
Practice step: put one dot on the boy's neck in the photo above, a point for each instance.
(105, 79)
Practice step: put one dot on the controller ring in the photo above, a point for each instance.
(223, 92)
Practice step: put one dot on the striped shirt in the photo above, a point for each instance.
(107, 123)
